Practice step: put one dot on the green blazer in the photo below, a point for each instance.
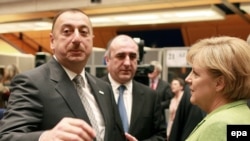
(214, 126)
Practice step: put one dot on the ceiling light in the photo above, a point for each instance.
(188, 14)
(245, 7)
(136, 17)
(25, 26)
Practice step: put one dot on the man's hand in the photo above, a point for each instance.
(130, 137)
(69, 129)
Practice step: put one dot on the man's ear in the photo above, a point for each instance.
(220, 83)
(51, 41)
(106, 60)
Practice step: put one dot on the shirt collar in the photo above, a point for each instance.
(116, 84)
(155, 80)
(71, 74)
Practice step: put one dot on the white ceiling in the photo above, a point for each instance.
(7, 1)
(24, 6)
(33, 10)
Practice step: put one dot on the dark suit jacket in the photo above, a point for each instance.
(164, 90)
(186, 118)
(40, 98)
(146, 122)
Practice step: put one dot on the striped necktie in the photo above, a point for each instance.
(78, 80)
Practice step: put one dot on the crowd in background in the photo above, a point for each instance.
(9, 72)
(7, 75)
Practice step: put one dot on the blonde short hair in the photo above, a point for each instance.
(157, 65)
(228, 57)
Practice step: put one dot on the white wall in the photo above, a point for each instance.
(23, 61)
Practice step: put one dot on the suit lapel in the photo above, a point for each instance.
(118, 119)
(100, 95)
(137, 104)
(159, 86)
(65, 87)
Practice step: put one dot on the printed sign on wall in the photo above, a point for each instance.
(176, 58)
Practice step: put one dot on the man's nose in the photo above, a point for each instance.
(76, 36)
(127, 60)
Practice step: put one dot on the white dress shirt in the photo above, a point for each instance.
(156, 80)
(127, 95)
(92, 102)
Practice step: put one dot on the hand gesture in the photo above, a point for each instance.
(130, 137)
(69, 129)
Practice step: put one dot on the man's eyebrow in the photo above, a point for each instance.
(81, 26)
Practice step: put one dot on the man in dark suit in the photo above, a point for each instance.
(44, 104)
(162, 87)
(186, 118)
(142, 106)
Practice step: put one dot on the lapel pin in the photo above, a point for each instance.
(101, 92)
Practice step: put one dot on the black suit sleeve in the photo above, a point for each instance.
(166, 96)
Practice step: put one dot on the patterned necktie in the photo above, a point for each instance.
(122, 108)
(78, 80)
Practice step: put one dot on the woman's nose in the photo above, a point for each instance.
(188, 79)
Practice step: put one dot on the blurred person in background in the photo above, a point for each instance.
(177, 88)
(219, 84)
(162, 87)
(183, 116)
(10, 71)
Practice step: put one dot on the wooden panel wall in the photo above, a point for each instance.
(40, 37)
(103, 35)
(233, 25)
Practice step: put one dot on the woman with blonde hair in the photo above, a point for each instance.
(220, 85)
